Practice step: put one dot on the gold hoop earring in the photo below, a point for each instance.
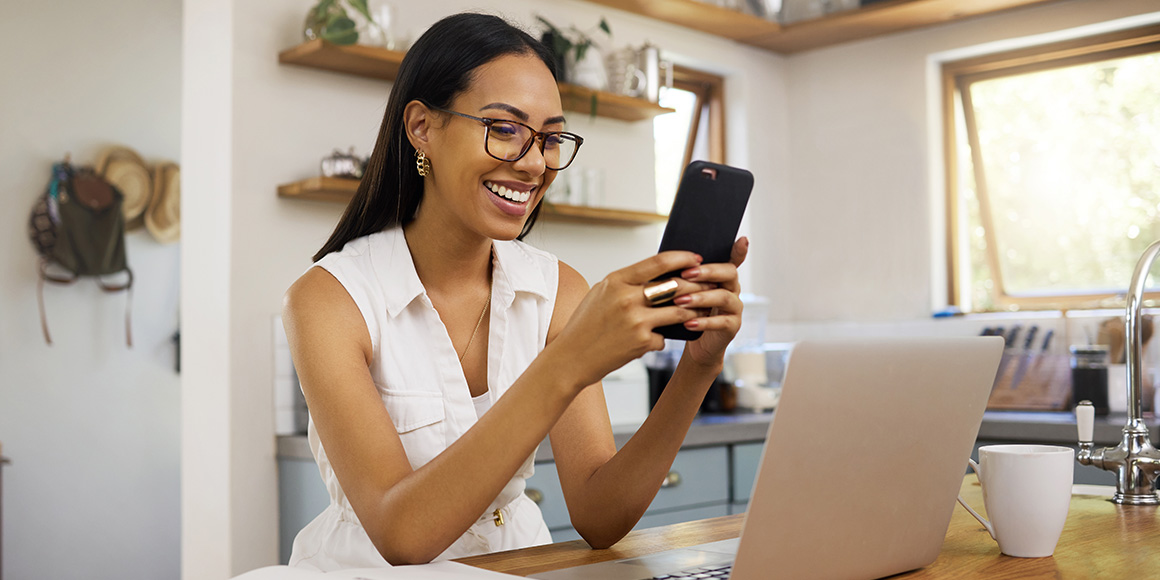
(422, 164)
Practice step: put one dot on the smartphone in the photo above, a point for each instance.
(706, 215)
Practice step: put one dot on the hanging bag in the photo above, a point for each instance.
(78, 229)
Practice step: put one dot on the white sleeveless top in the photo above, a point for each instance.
(418, 376)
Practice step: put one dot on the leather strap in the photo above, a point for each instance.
(45, 276)
(40, 302)
(128, 288)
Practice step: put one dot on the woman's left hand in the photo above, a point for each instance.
(722, 306)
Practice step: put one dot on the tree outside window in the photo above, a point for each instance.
(1053, 171)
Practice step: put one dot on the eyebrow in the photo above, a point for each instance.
(519, 114)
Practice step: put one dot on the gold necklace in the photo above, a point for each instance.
(477, 325)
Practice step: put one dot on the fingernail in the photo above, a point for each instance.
(691, 273)
(699, 258)
(693, 324)
(683, 299)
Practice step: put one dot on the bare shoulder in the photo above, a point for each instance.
(315, 292)
(317, 307)
(570, 291)
(572, 284)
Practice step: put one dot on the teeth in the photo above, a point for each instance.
(516, 196)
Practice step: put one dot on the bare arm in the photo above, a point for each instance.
(411, 516)
(608, 491)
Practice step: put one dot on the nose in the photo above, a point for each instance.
(533, 162)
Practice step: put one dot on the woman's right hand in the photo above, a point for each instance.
(614, 323)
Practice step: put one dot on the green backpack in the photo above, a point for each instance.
(78, 229)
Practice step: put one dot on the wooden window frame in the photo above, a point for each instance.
(709, 89)
(958, 76)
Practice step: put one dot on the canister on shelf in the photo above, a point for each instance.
(1089, 376)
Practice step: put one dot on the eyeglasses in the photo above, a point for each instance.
(511, 140)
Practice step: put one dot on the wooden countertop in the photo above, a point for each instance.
(1101, 539)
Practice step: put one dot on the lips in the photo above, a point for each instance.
(512, 194)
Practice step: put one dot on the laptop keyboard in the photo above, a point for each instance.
(707, 572)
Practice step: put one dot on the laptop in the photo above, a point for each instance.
(862, 463)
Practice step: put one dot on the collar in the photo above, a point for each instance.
(514, 270)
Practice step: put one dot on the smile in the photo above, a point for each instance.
(509, 194)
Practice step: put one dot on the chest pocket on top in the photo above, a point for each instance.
(418, 417)
(411, 410)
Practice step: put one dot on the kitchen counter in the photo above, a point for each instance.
(1100, 540)
(724, 429)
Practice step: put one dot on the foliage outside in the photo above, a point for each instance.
(1072, 162)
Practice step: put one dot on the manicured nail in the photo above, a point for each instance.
(691, 273)
(699, 258)
(693, 324)
(683, 299)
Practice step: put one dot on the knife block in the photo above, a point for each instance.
(1044, 386)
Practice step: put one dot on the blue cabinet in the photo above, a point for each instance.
(746, 457)
(699, 485)
(301, 497)
(696, 487)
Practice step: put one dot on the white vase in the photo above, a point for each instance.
(588, 72)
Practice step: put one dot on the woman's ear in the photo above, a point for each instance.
(417, 121)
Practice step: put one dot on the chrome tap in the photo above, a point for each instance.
(1135, 461)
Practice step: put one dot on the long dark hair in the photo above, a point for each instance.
(437, 68)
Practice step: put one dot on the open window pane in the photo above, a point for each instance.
(671, 135)
(1071, 165)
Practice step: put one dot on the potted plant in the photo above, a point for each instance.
(578, 58)
(330, 21)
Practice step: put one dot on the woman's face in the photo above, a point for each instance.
(489, 196)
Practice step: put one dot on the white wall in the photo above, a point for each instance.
(90, 425)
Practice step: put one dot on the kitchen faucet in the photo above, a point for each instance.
(1135, 461)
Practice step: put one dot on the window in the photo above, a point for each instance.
(695, 132)
(1053, 171)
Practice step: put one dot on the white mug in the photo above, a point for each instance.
(1027, 493)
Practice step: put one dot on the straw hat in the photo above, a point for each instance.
(163, 217)
(125, 169)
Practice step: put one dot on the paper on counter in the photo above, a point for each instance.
(433, 571)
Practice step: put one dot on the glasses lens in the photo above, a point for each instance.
(509, 141)
(506, 140)
(559, 149)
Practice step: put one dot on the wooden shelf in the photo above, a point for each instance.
(335, 189)
(380, 63)
(876, 19)
(579, 214)
(355, 59)
(340, 190)
(609, 105)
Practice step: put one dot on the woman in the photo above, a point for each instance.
(423, 312)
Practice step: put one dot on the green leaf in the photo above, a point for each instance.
(340, 30)
(361, 6)
(551, 27)
(581, 50)
(604, 26)
(342, 39)
(593, 105)
(560, 44)
(322, 9)
(340, 24)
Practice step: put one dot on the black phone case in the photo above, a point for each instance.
(706, 215)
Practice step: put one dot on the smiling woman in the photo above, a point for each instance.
(436, 350)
